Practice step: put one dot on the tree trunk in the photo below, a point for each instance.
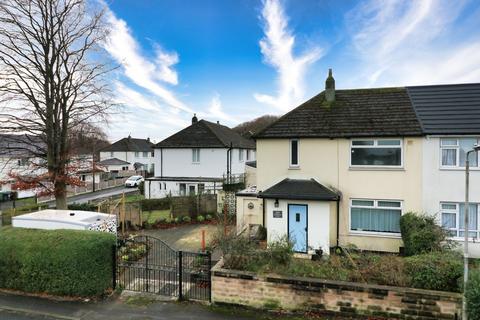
(61, 195)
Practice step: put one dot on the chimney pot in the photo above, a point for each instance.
(194, 119)
(330, 87)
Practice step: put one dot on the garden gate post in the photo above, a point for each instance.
(180, 276)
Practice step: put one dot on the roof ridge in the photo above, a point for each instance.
(207, 124)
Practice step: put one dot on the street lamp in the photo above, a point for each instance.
(475, 149)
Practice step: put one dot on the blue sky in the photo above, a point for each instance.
(235, 60)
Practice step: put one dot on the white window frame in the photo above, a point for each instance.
(375, 145)
(290, 164)
(249, 154)
(240, 155)
(457, 155)
(145, 154)
(457, 229)
(196, 155)
(112, 154)
(137, 154)
(375, 206)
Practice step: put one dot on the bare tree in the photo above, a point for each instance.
(52, 78)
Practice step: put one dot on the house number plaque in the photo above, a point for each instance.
(277, 214)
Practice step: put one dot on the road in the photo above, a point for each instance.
(16, 307)
(101, 194)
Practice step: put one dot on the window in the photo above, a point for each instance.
(111, 154)
(137, 154)
(152, 168)
(454, 152)
(145, 154)
(249, 154)
(201, 188)
(379, 153)
(375, 216)
(191, 190)
(153, 153)
(22, 162)
(240, 155)
(293, 153)
(453, 219)
(124, 168)
(196, 155)
(183, 189)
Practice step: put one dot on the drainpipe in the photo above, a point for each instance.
(161, 162)
(229, 162)
(338, 222)
(263, 209)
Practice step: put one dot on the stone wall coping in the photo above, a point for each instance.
(219, 271)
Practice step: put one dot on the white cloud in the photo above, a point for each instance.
(412, 42)
(277, 48)
(150, 74)
(215, 111)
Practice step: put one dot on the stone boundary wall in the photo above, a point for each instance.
(335, 298)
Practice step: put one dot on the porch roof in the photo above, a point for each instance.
(299, 189)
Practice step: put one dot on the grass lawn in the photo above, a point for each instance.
(134, 198)
(156, 215)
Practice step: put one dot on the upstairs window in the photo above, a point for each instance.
(454, 152)
(145, 154)
(137, 154)
(111, 154)
(376, 153)
(240, 155)
(196, 155)
(294, 153)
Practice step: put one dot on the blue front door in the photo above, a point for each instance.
(297, 226)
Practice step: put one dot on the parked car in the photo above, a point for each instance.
(133, 181)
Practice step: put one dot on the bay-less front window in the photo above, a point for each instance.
(453, 219)
(454, 152)
(375, 215)
(376, 152)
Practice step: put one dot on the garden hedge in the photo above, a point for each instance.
(421, 234)
(58, 262)
(473, 295)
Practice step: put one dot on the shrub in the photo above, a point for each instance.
(208, 217)
(473, 295)
(176, 220)
(435, 270)
(82, 206)
(186, 219)
(238, 251)
(155, 204)
(200, 218)
(59, 262)
(141, 187)
(280, 252)
(421, 234)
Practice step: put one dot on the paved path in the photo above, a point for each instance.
(105, 193)
(27, 308)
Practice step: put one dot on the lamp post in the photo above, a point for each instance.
(466, 218)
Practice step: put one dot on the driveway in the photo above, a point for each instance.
(185, 238)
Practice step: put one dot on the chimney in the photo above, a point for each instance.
(218, 122)
(330, 87)
(194, 119)
(148, 139)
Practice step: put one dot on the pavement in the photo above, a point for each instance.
(18, 307)
(104, 193)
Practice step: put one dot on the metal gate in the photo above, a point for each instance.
(148, 264)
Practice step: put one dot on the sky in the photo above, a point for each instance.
(235, 60)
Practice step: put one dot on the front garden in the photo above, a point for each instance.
(430, 261)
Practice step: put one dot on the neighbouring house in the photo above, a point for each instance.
(197, 159)
(19, 155)
(345, 165)
(128, 156)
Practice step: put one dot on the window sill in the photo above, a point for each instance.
(373, 168)
(459, 169)
(294, 168)
(375, 234)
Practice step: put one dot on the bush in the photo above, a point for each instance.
(435, 270)
(421, 234)
(280, 252)
(155, 204)
(82, 206)
(186, 219)
(141, 187)
(208, 217)
(200, 218)
(473, 295)
(59, 262)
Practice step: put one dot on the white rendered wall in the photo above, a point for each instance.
(446, 185)
(160, 189)
(129, 157)
(318, 222)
